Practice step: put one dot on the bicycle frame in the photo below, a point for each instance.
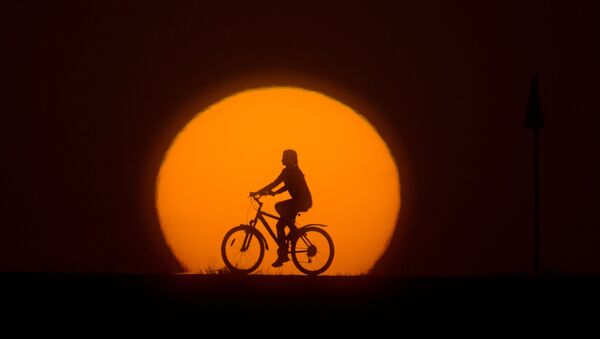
(260, 216)
(307, 239)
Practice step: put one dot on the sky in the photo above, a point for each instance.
(93, 94)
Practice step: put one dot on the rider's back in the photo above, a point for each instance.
(296, 185)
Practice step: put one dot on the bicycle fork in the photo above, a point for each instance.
(247, 239)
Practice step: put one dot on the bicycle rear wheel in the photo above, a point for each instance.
(242, 249)
(312, 250)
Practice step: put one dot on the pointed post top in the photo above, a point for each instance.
(533, 117)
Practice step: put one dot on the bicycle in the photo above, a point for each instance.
(243, 247)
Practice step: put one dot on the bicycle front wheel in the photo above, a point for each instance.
(312, 250)
(242, 249)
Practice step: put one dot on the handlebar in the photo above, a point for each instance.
(255, 194)
(256, 197)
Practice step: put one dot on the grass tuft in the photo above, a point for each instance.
(214, 270)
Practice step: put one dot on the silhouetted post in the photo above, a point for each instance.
(535, 120)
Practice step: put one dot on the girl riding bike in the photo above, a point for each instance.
(293, 179)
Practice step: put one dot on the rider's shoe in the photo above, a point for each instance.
(280, 261)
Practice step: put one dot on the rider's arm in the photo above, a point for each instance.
(272, 185)
(281, 190)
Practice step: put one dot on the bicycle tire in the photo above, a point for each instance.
(229, 249)
(301, 248)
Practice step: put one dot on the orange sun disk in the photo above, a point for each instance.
(234, 147)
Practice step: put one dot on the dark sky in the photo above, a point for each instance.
(93, 94)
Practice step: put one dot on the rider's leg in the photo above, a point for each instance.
(286, 214)
(282, 250)
(283, 247)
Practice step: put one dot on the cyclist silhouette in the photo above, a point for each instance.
(293, 179)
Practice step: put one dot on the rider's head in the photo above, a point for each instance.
(289, 157)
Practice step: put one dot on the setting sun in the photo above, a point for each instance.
(235, 146)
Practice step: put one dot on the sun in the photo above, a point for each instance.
(235, 146)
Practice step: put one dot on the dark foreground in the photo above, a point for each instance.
(297, 306)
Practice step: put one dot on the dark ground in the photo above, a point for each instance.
(298, 306)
